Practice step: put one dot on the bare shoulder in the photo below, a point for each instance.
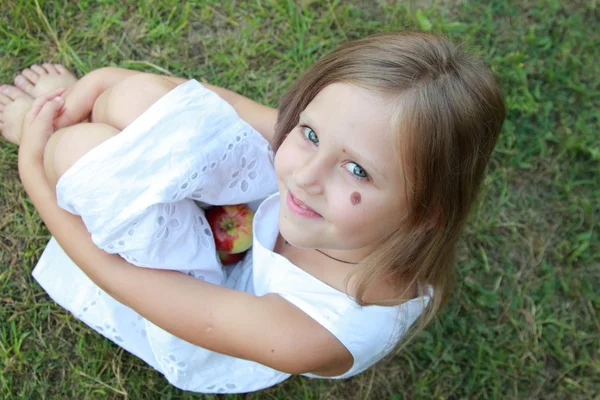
(293, 342)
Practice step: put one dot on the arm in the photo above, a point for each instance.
(260, 117)
(211, 316)
(80, 99)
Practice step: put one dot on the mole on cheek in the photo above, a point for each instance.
(355, 198)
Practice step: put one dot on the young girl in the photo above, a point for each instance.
(380, 149)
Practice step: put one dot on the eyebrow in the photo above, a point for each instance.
(350, 152)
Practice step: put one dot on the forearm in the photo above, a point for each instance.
(109, 271)
(260, 117)
(229, 96)
(107, 77)
(184, 306)
(81, 97)
(210, 316)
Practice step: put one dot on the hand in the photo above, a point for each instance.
(75, 109)
(38, 124)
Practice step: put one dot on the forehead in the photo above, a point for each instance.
(358, 120)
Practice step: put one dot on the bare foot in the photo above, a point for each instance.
(38, 80)
(14, 104)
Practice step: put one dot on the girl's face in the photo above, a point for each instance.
(340, 162)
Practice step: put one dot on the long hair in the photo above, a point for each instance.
(450, 111)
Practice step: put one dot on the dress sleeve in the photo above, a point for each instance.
(137, 192)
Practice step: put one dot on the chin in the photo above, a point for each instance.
(288, 236)
(293, 237)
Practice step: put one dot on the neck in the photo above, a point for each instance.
(342, 256)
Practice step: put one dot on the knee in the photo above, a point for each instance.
(127, 100)
(68, 145)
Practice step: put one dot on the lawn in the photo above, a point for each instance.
(524, 319)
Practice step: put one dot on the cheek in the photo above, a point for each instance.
(355, 198)
(288, 157)
(279, 163)
(352, 208)
(358, 209)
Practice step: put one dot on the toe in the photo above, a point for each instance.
(50, 68)
(4, 99)
(13, 92)
(64, 71)
(61, 69)
(22, 83)
(38, 69)
(30, 75)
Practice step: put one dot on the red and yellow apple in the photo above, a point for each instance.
(232, 230)
(230, 258)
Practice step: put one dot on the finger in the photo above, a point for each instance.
(39, 70)
(48, 112)
(43, 116)
(57, 92)
(49, 68)
(61, 109)
(33, 111)
(37, 106)
(30, 75)
(41, 100)
(50, 95)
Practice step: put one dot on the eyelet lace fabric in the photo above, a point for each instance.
(140, 195)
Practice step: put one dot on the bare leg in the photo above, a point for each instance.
(14, 104)
(113, 110)
(124, 102)
(64, 148)
(68, 145)
(135, 93)
(41, 79)
(30, 83)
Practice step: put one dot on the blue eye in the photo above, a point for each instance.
(356, 170)
(310, 135)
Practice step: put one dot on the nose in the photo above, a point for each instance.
(309, 176)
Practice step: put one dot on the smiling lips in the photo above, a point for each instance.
(299, 208)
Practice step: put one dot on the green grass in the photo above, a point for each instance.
(524, 319)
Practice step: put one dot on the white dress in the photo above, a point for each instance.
(141, 193)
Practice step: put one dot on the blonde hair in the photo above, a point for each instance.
(451, 112)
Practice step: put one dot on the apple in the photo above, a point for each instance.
(231, 227)
(230, 258)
